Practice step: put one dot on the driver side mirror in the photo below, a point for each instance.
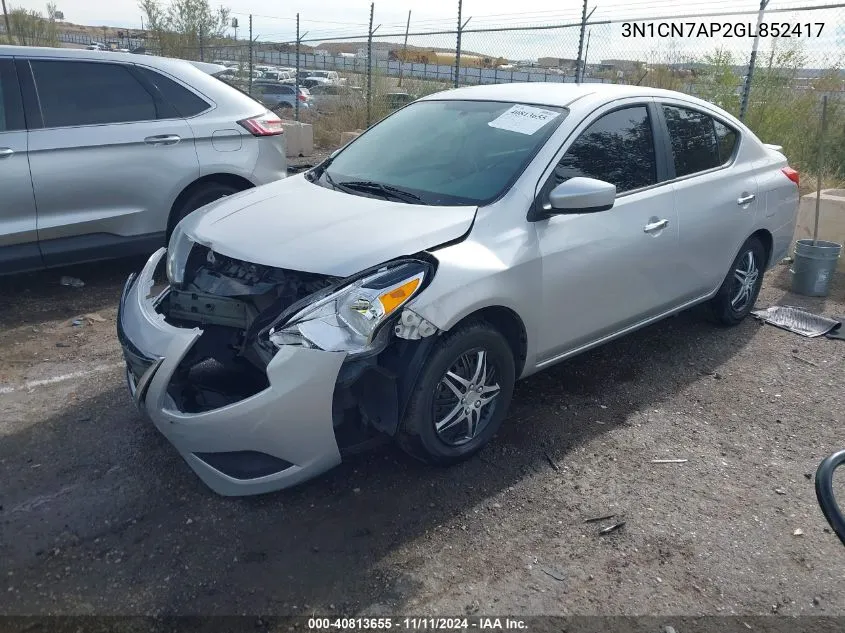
(824, 493)
(577, 195)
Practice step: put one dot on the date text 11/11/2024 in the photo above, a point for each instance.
(416, 624)
(722, 29)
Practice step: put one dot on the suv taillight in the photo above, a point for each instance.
(790, 173)
(302, 97)
(267, 124)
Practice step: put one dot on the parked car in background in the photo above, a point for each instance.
(402, 286)
(277, 75)
(311, 82)
(395, 100)
(331, 98)
(329, 75)
(276, 95)
(101, 154)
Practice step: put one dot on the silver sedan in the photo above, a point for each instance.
(472, 238)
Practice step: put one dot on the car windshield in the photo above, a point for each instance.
(446, 152)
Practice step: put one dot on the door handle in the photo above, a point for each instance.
(655, 226)
(6, 151)
(163, 139)
(745, 199)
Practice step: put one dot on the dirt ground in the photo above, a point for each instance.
(99, 515)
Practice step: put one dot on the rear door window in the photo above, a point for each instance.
(693, 138)
(185, 102)
(73, 93)
(11, 107)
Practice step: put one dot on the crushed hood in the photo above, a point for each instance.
(298, 225)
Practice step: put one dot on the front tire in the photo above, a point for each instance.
(738, 293)
(461, 396)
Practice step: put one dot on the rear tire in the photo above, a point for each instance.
(461, 396)
(738, 293)
(201, 196)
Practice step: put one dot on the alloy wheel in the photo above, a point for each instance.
(465, 398)
(745, 280)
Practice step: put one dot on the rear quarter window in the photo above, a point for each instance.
(185, 102)
(726, 139)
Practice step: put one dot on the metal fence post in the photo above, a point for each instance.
(296, 81)
(250, 54)
(370, 65)
(202, 52)
(404, 48)
(820, 168)
(578, 63)
(746, 89)
(458, 46)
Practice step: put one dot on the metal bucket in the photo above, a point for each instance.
(813, 267)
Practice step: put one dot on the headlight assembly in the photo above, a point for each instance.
(350, 318)
(178, 249)
(180, 245)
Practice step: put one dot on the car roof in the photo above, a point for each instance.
(587, 94)
(552, 93)
(82, 54)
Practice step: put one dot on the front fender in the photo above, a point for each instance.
(471, 277)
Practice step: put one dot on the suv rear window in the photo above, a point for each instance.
(90, 93)
(185, 102)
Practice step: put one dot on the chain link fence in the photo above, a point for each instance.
(774, 82)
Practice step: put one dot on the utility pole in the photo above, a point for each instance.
(6, 20)
(250, 54)
(404, 48)
(370, 66)
(746, 89)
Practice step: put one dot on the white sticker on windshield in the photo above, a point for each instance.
(523, 119)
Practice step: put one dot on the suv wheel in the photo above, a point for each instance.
(461, 397)
(739, 290)
(203, 195)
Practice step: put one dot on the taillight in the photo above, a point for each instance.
(267, 124)
(790, 173)
(302, 97)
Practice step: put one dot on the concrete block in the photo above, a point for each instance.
(345, 137)
(831, 218)
(299, 139)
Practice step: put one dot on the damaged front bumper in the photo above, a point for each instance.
(273, 439)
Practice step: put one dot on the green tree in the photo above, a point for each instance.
(183, 26)
(31, 28)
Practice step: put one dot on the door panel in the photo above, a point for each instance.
(606, 271)
(95, 169)
(602, 272)
(716, 196)
(713, 225)
(18, 236)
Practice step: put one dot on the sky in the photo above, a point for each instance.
(275, 21)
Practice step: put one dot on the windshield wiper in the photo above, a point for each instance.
(388, 191)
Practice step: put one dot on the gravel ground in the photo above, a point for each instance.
(99, 515)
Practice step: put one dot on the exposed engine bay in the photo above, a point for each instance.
(231, 301)
(235, 303)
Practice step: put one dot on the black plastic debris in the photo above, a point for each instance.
(800, 321)
(838, 332)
